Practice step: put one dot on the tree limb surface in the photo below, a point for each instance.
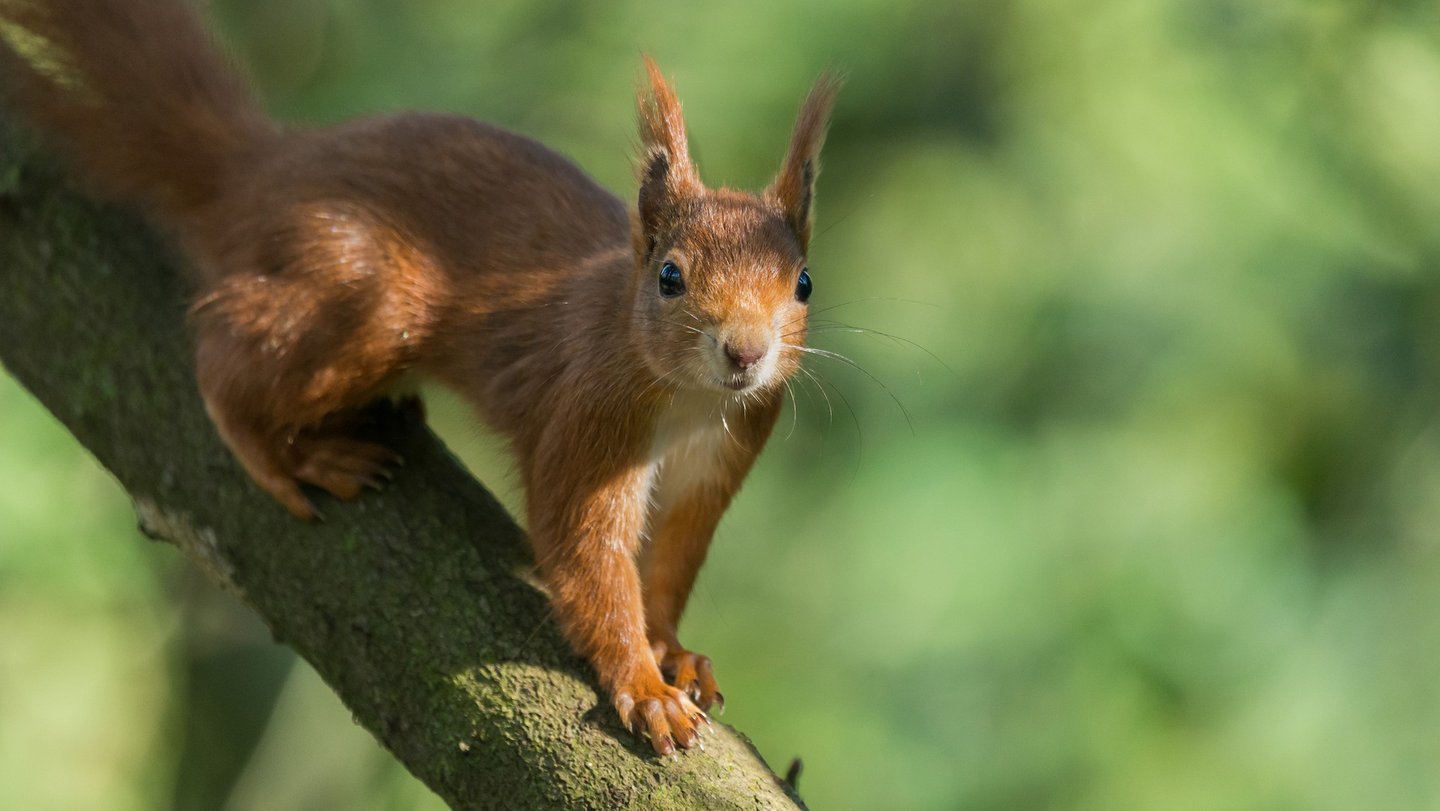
(412, 603)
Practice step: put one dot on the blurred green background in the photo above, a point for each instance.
(1140, 509)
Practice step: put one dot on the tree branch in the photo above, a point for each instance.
(412, 603)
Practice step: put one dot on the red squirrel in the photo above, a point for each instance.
(635, 359)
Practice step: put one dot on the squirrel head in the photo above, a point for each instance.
(722, 285)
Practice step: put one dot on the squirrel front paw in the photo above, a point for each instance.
(691, 673)
(649, 707)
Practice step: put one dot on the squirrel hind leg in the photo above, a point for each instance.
(328, 456)
(258, 453)
(342, 466)
(284, 431)
(291, 366)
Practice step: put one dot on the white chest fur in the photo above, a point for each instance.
(687, 447)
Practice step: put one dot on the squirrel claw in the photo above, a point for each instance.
(663, 714)
(343, 467)
(691, 673)
(287, 492)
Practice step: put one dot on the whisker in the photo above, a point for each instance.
(549, 614)
(663, 380)
(821, 382)
(850, 328)
(829, 407)
(825, 353)
(814, 311)
(838, 220)
(671, 323)
(827, 308)
(725, 423)
(794, 409)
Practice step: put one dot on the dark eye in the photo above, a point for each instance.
(672, 284)
(804, 287)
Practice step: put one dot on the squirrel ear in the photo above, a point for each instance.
(794, 185)
(666, 172)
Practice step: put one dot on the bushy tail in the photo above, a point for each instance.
(135, 92)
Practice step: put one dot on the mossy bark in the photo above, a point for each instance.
(412, 603)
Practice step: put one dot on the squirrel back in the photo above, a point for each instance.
(137, 96)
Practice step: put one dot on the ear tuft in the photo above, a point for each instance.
(666, 171)
(662, 126)
(794, 186)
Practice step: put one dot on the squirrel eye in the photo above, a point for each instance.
(672, 284)
(804, 287)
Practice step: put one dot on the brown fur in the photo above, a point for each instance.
(332, 262)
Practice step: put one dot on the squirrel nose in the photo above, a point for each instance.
(744, 356)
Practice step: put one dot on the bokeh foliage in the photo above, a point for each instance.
(1138, 508)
